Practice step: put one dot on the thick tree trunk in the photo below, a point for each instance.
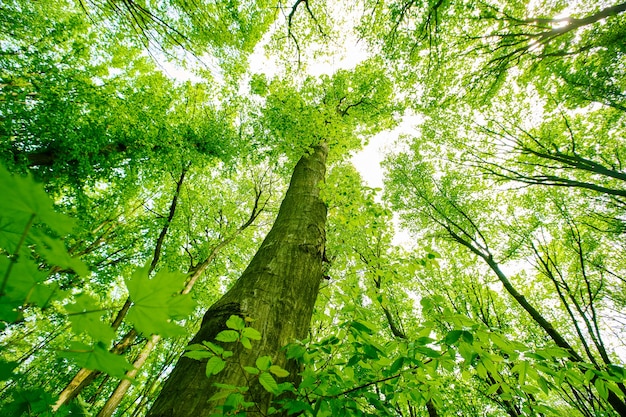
(278, 290)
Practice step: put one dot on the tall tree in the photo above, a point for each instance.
(278, 290)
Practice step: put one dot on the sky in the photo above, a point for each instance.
(346, 55)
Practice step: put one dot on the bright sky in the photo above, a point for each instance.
(345, 56)
(368, 160)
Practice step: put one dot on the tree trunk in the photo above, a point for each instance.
(120, 391)
(278, 290)
(84, 377)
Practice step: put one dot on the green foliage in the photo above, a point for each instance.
(339, 110)
(404, 370)
(85, 319)
(30, 231)
(97, 357)
(226, 32)
(214, 365)
(218, 358)
(31, 249)
(35, 402)
(156, 302)
(269, 383)
(510, 184)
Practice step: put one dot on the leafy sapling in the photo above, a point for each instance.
(217, 358)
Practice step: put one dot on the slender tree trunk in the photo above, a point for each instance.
(117, 396)
(278, 290)
(84, 377)
(613, 399)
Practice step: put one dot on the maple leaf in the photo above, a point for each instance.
(157, 302)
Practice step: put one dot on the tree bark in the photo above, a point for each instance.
(277, 290)
(116, 397)
(194, 273)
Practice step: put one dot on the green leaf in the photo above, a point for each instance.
(251, 333)
(156, 302)
(219, 395)
(427, 303)
(613, 387)
(235, 323)
(544, 385)
(530, 389)
(12, 228)
(452, 337)
(617, 371)
(233, 401)
(297, 407)
(251, 370)
(492, 389)
(353, 360)
(53, 250)
(87, 316)
(424, 340)
(396, 365)
(467, 337)
(22, 195)
(263, 362)
(227, 387)
(428, 352)
(6, 369)
(24, 276)
(97, 357)
(278, 371)
(29, 402)
(286, 387)
(269, 383)
(601, 387)
(295, 351)
(521, 368)
(362, 326)
(43, 294)
(227, 336)
(214, 365)
(246, 342)
(199, 354)
(499, 341)
(481, 370)
(218, 350)
(370, 351)
(553, 352)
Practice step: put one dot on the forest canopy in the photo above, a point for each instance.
(183, 231)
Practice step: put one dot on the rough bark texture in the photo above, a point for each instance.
(278, 290)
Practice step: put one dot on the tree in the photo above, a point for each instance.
(63, 129)
(278, 289)
(277, 292)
